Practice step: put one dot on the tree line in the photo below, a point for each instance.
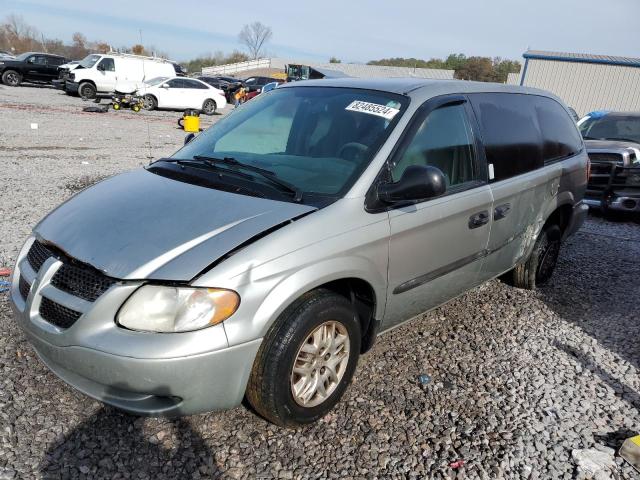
(17, 36)
(482, 69)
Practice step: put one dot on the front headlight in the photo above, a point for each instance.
(156, 308)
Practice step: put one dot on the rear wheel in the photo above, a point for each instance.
(11, 78)
(149, 102)
(306, 360)
(539, 267)
(209, 107)
(87, 90)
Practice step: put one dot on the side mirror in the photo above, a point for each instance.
(164, 85)
(100, 67)
(417, 183)
(31, 60)
(189, 137)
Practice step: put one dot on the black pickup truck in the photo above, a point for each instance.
(613, 144)
(30, 67)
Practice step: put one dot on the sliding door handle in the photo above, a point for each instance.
(479, 219)
(501, 211)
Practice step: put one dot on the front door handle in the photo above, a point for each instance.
(478, 219)
(501, 211)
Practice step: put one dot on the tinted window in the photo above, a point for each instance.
(176, 83)
(39, 60)
(107, 65)
(560, 137)
(55, 61)
(193, 84)
(443, 140)
(510, 132)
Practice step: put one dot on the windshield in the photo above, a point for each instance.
(23, 56)
(318, 139)
(155, 81)
(89, 61)
(612, 127)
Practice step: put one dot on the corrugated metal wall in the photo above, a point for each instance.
(587, 86)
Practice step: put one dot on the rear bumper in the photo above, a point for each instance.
(580, 211)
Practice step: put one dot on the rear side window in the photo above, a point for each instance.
(510, 133)
(55, 61)
(560, 135)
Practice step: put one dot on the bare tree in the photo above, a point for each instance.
(18, 35)
(254, 36)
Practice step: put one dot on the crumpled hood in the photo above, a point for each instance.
(140, 225)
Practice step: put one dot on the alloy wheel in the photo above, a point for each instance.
(320, 364)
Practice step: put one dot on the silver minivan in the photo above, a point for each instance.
(268, 253)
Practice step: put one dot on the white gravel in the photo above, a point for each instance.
(519, 379)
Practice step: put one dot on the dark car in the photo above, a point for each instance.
(256, 83)
(613, 143)
(30, 67)
(180, 70)
(227, 84)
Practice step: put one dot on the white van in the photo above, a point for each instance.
(99, 73)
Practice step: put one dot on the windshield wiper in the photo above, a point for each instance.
(190, 163)
(268, 174)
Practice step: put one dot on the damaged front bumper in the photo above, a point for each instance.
(614, 187)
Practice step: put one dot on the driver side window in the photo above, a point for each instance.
(107, 65)
(443, 139)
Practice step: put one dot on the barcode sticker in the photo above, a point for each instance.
(373, 109)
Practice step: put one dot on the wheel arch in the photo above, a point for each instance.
(364, 287)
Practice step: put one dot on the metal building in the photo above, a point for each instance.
(585, 82)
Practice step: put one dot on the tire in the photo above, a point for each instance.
(11, 78)
(539, 267)
(209, 107)
(149, 102)
(87, 91)
(272, 381)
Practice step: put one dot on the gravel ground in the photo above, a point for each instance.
(518, 379)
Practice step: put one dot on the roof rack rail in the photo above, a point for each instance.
(121, 54)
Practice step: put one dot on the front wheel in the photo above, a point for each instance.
(306, 360)
(149, 102)
(539, 267)
(209, 107)
(11, 78)
(87, 90)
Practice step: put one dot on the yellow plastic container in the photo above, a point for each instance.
(191, 123)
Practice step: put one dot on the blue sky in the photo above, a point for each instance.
(355, 31)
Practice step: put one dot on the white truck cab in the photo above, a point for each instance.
(98, 73)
